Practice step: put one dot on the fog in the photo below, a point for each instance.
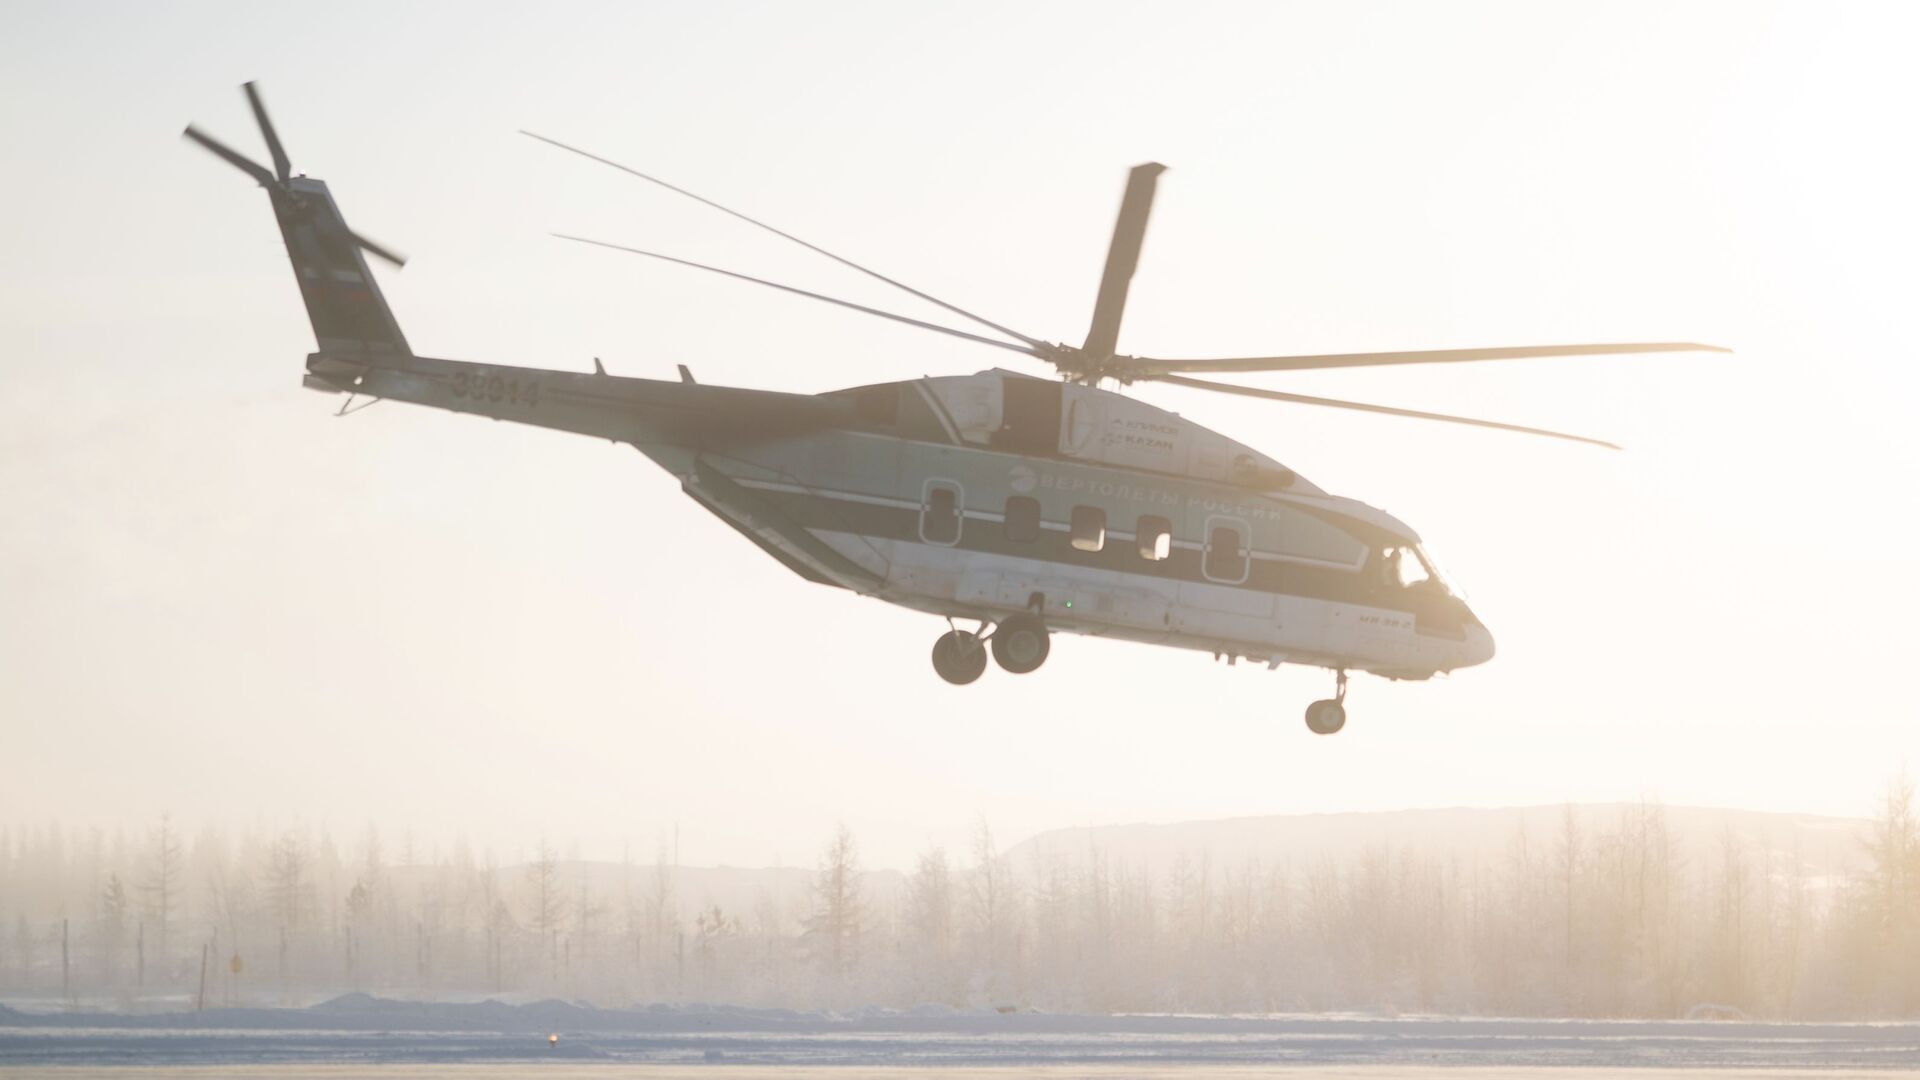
(1640, 911)
(287, 633)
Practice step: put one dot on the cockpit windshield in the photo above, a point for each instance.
(1409, 567)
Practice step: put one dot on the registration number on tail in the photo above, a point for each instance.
(471, 386)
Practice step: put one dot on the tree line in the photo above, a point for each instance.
(1599, 919)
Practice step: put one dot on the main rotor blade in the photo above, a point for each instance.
(1126, 367)
(1123, 256)
(281, 166)
(233, 157)
(377, 251)
(1385, 410)
(948, 330)
(963, 313)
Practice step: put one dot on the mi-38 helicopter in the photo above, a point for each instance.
(1025, 505)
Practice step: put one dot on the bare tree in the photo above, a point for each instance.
(114, 906)
(662, 912)
(930, 924)
(991, 912)
(1729, 961)
(289, 892)
(166, 859)
(1895, 895)
(835, 927)
(1568, 859)
(544, 912)
(714, 932)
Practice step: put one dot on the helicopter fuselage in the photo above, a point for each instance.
(996, 495)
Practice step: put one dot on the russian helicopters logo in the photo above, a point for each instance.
(1021, 479)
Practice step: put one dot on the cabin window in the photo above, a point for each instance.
(1226, 555)
(1155, 535)
(1089, 528)
(1023, 519)
(940, 513)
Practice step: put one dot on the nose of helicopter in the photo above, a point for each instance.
(1478, 646)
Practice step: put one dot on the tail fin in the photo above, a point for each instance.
(349, 314)
(350, 317)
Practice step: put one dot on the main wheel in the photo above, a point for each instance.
(959, 657)
(1326, 717)
(1020, 644)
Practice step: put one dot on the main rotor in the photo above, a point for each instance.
(1096, 359)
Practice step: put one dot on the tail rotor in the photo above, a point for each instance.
(278, 180)
(351, 319)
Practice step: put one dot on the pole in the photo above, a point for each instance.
(200, 1004)
(66, 975)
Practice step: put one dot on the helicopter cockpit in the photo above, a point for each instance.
(1408, 567)
(1408, 577)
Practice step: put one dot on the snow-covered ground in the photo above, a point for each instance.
(363, 1031)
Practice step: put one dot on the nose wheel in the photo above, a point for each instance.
(1328, 716)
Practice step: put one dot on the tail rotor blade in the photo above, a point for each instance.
(1384, 410)
(1123, 256)
(231, 156)
(378, 251)
(281, 166)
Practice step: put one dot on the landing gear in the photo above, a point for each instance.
(959, 657)
(1020, 644)
(1328, 716)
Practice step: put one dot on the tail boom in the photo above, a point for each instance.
(350, 316)
(605, 406)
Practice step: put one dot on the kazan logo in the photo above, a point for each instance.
(1021, 479)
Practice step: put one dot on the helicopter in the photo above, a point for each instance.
(1024, 505)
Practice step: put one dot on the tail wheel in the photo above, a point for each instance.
(959, 657)
(1021, 644)
(1326, 717)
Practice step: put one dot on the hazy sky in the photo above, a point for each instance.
(218, 600)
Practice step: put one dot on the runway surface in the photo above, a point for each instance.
(362, 1037)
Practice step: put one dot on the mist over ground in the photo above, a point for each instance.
(1604, 911)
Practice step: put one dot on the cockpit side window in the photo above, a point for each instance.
(1407, 567)
(1409, 581)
